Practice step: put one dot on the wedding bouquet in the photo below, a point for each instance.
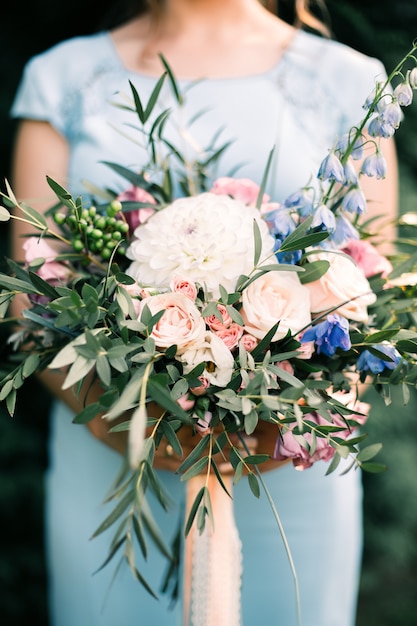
(218, 311)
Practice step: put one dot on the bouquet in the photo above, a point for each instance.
(219, 312)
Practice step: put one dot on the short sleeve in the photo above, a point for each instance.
(55, 83)
(353, 76)
(38, 96)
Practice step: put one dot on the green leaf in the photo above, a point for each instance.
(314, 271)
(374, 468)
(124, 503)
(171, 437)
(42, 286)
(193, 510)
(254, 485)
(4, 214)
(103, 369)
(138, 103)
(382, 335)
(369, 452)
(195, 454)
(15, 284)
(257, 242)
(195, 469)
(30, 365)
(87, 414)
(154, 96)
(260, 197)
(11, 401)
(163, 398)
(177, 94)
(256, 459)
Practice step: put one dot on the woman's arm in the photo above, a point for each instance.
(382, 200)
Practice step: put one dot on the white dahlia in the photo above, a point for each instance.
(206, 238)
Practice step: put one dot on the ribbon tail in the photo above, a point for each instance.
(213, 561)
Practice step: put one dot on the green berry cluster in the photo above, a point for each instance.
(94, 231)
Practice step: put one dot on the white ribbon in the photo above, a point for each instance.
(213, 561)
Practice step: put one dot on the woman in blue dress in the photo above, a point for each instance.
(264, 83)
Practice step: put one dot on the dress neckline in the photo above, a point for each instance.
(287, 51)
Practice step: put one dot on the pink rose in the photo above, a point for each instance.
(185, 402)
(137, 194)
(249, 342)
(213, 321)
(276, 296)
(367, 257)
(52, 271)
(343, 288)
(181, 323)
(201, 389)
(243, 189)
(182, 285)
(231, 335)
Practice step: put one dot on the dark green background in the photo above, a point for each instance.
(388, 595)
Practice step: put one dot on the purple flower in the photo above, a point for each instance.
(375, 165)
(356, 150)
(301, 200)
(281, 224)
(324, 219)
(344, 232)
(354, 201)
(391, 114)
(351, 175)
(329, 335)
(331, 169)
(378, 128)
(368, 362)
(404, 94)
(412, 78)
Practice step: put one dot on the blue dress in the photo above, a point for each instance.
(312, 95)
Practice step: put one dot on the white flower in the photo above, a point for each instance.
(207, 239)
(275, 296)
(180, 325)
(344, 286)
(217, 357)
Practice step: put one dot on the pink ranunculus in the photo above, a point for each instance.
(306, 349)
(185, 402)
(137, 194)
(202, 425)
(367, 257)
(52, 271)
(201, 389)
(181, 323)
(230, 335)
(182, 285)
(215, 324)
(249, 342)
(286, 366)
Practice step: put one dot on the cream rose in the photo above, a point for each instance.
(181, 324)
(217, 357)
(275, 297)
(344, 286)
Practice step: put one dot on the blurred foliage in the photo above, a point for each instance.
(379, 28)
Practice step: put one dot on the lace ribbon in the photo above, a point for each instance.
(213, 561)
